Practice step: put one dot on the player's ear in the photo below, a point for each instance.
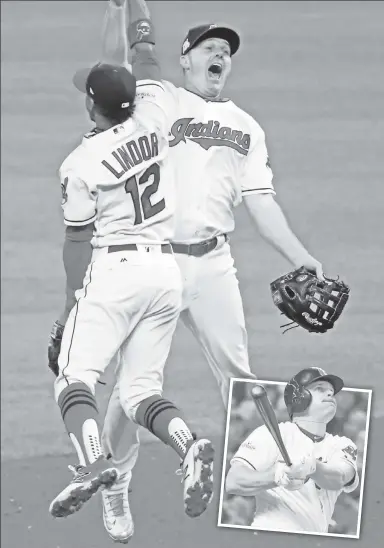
(184, 62)
(90, 106)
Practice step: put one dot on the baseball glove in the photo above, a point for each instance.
(54, 346)
(308, 302)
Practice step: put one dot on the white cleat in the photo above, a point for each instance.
(197, 471)
(117, 515)
(86, 482)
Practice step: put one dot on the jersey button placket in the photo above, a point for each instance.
(205, 184)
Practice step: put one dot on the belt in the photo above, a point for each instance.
(199, 249)
(165, 248)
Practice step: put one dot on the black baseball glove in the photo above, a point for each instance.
(54, 346)
(310, 303)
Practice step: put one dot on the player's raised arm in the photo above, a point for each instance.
(141, 36)
(114, 37)
(151, 103)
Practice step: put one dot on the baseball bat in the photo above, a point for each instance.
(260, 397)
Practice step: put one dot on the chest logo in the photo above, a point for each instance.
(208, 135)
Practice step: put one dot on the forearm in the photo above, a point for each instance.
(272, 225)
(333, 476)
(138, 9)
(145, 65)
(114, 34)
(246, 482)
(77, 254)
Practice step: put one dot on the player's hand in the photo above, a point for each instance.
(282, 479)
(302, 467)
(292, 484)
(311, 264)
(54, 346)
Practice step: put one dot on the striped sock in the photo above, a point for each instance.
(79, 412)
(162, 418)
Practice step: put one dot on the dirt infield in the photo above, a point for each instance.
(311, 74)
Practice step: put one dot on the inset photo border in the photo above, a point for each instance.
(253, 461)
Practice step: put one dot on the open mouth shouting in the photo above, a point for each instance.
(215, 71)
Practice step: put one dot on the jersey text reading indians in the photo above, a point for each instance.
(210, 135)
(132, 154)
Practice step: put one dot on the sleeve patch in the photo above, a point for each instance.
(64, 195)
(350, 453)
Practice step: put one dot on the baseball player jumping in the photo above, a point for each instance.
(220, 158)
(300, 497)
(119, 181)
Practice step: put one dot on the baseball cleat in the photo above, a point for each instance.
(86, 482)
(197, 471)
(117, 516)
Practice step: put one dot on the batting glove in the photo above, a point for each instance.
(54, 346)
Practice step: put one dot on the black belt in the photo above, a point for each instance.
(165, 248)
(199, 249)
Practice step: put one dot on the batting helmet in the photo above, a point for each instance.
(297, 397)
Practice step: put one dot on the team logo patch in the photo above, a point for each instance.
(248, 445)
(143, 29)
(350, 453)
(302, 277)
(186, 45)
(64, 195)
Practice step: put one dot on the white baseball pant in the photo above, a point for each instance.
(130, 301)
(212, 309)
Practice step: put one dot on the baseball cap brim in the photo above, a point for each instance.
(225, 33)
(80, 77)
(335, 381)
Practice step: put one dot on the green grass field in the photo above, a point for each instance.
(312, 75)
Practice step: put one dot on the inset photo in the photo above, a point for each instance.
(295, 454)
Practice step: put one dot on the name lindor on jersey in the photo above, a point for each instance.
(132, 154)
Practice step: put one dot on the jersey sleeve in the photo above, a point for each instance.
(78, 203)
(151, 105)
(257, 176)
(258, 451)
(347, 451)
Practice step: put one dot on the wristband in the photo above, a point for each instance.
(141, 31)
(57, 331)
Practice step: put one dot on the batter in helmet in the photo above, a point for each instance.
(300, 497)
(309, 395)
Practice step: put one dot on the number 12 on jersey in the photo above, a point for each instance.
(144, 209)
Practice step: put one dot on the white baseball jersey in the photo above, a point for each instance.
(121, 179)
(310, 508)
(219, 155)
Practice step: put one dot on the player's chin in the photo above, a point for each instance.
(216, 84)
(330, 412)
